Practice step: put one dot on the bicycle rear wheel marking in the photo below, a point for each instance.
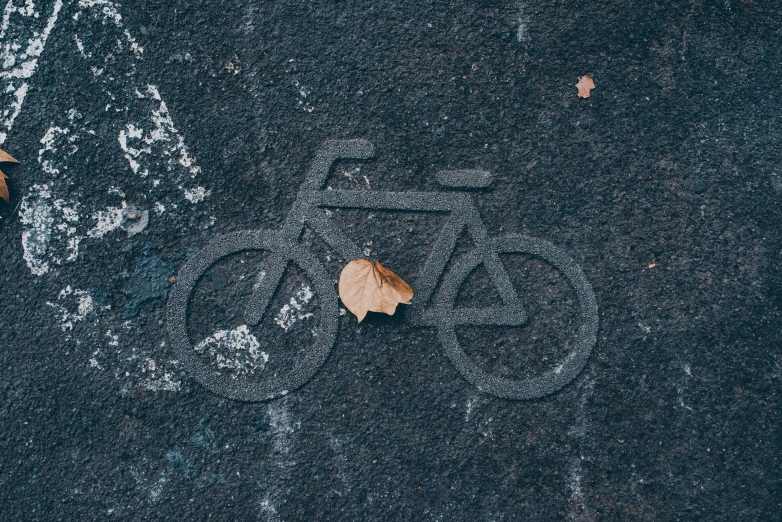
(549, 381)
(222, 384)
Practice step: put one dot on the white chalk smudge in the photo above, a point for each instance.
(158, 379)
(303, 93)
(19, 55)
(469, 407)
(294, 310)
(575, 474)
(107, 221)
(680, 387)
(48, 221)
(195, 195)
(522, 22)
(54, 138)
(146, 141)
(282, 431)
(237, 350)
(80, 308)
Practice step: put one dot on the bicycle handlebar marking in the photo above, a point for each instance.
(285, 248)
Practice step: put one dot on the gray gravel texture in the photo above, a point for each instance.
(150, 129)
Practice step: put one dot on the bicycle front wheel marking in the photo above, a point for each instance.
(549, 381)
(274, 386)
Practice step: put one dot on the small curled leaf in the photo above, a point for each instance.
(585, 85)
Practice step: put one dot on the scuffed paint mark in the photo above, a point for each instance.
(157, 379)
(468, 409)
(83, 307)
(281, 464)
(19, 55)
(36, 213)
(157, 488)
(578, 507)
(148, 141)
(680, 387)
(195, 195)
(303, 93)
(161, 140)
(45, 221)
(522, 22)
(269, 510)
(236, 350)
(107, 221)
(294, 310)
(54, 138)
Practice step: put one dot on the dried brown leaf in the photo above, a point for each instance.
(585, 85)
(366, 286)
(4, 188)
(4, 156)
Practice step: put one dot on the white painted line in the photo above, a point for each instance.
(137, 121)
(19, 55)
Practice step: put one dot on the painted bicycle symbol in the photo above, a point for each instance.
(284, 248)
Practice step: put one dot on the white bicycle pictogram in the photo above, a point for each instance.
(442, 314)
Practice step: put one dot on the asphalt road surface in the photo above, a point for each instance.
(151, 133)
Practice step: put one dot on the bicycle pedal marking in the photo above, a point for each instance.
(285, 247)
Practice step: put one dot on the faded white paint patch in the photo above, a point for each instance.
(50, 157)
(236, 350)
(35, 212)
(48, 224)
(195, 195)
(158, 379)
(19, 55)
(522, 22)
(294, 310)
(146, 134)
(469, 408)
(107, 220)
(52, 228)
(574, 481)
(303, 93)
(575, 473)
(281, 464)
(75, 311)
(147, 141)
(113, 339)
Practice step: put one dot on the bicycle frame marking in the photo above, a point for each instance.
(442, 314)
(312, 198)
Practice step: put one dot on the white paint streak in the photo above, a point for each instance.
(83, 307)
(157, 379)
(146, 142)
(19, 55)
(52, 139)
(52, 228)
(195, 195)
(48, 221)
(107, 221)
(294, 310)
(522, 21)
(236, 350)
(468, 409)
(282, 430)
(578, 507)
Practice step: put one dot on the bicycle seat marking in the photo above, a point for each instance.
(442, 314)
